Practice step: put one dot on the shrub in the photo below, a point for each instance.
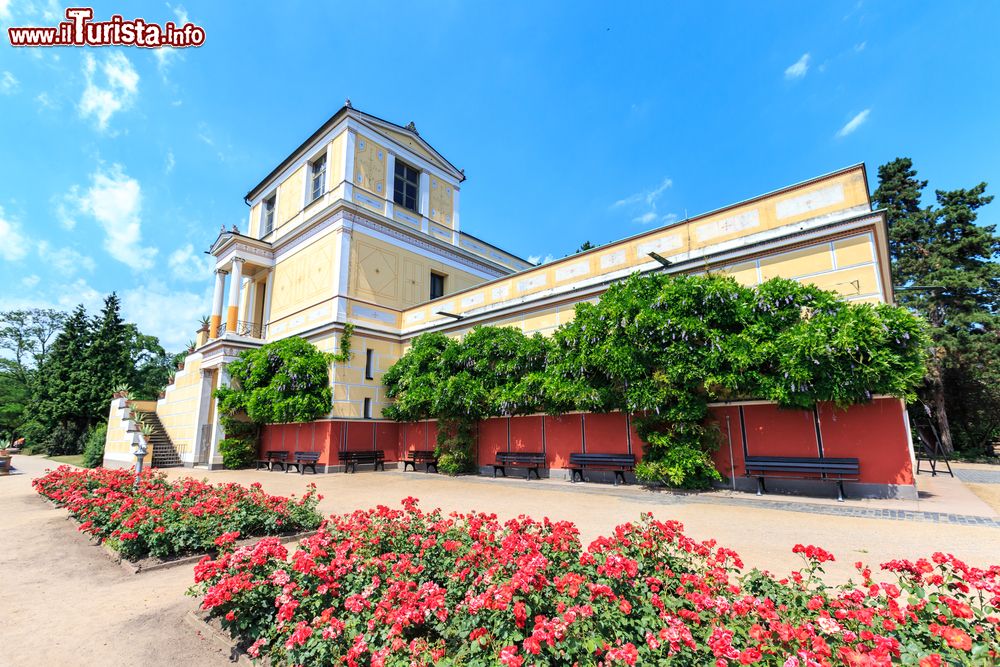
(65, 439)
(237, 452)
(405, 587)
(93, 450)
(169, 518)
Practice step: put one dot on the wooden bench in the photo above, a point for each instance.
(802, 467)
(352, 459)
(619, 464)
(303, 460)
(274, 457)
(532, 461)
(425, 456)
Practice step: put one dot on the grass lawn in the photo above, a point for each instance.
(71, 459)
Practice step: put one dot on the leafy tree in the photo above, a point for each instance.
(944, 264)
(150, 365)
(281, 382)
(25, 336)
(586, 245)
(661, 348)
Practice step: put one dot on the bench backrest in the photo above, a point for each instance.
(601, 459)
(307, 456)
(803, 464)
(520, 457)
(363, 454)
(279, 454)
(420, 454)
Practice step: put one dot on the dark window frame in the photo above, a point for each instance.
(317, 178)
(406, 186)
(367, 409)
(267, 212)
(369, 364)
(437, 279)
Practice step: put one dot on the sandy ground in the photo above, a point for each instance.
(64, 603)
(989, 493)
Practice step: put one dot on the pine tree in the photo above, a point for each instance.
(945, 267)
(62, 387)
(108, 361)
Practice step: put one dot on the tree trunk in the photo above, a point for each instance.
(937, 389)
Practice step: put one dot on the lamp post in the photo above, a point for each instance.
(139, 449)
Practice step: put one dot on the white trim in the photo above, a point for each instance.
(425, 196)
(281, 177)
(390, 184)
(266, 312)
(367, 231)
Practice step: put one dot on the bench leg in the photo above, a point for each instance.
(760, 486)
(840, 491)
(573, 473)
(431, 465)
(619, 474)
(536, 473)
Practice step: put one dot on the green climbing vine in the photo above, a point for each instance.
(280, 382)
(661, 348)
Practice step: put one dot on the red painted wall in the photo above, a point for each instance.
(563, 436)
(874, 433)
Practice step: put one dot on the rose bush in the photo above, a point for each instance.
(168, 518)
(407, 587)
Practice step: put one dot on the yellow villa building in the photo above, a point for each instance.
(362, 224)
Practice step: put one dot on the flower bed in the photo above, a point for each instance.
(163, 518)
(407, 587)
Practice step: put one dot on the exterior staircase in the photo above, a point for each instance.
(164, 453)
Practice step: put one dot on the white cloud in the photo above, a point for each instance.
(798, 69)
(30, 281)
(854, 123)
(45, 101)
(69, 295)
(170, 316)
(538, 259)
(66, 261)
(8, 83)
(14, 245)
(858, 48)
(643, 204)
(647, 196)
(114, 200)
(169, 163)
(119, 92)
(5, 10)
(187, 264)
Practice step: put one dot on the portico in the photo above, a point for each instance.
(241, 301)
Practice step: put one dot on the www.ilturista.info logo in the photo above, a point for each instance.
(81, 30)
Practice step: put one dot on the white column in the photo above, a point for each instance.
(235, 288)
(251, 310)
(349, 166)
(217, 432)
(220, 287)
(456, 235)
(204, 402)
(425, 201)
(265, 316)
(390, 184)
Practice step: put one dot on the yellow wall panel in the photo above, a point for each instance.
(797, 262)
(854, 250)
(290, 197)
(335, 170)
(369, 166)
(305, 277)
(254, 229)
(744, 273)
(442, 202)
(857, 281)
(391, 276)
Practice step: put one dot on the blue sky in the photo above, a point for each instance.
(572, 121)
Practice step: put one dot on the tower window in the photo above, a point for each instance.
(437, 285)
(369, 359)
(317, 177)
(267, 216)
(406, 186)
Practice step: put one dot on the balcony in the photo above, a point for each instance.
(244, 329)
